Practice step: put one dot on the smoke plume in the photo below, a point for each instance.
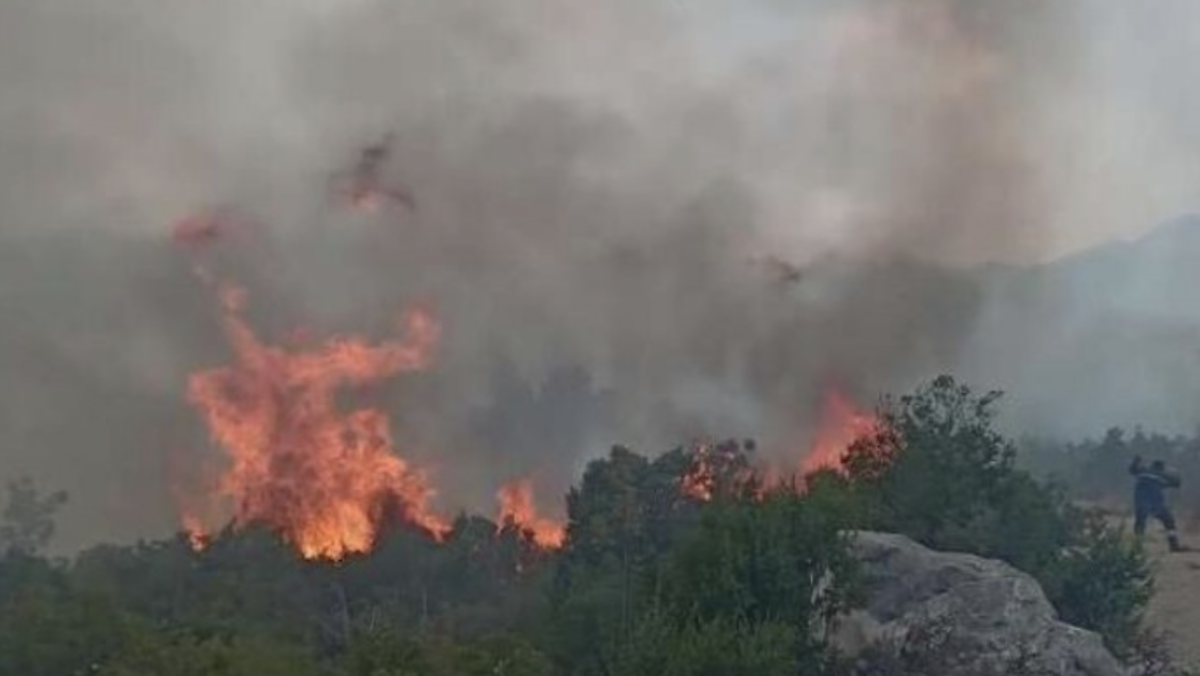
(594, 186)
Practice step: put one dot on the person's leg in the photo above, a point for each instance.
(1139, 520)
(1168, 522)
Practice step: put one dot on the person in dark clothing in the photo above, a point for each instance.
(1149, 501)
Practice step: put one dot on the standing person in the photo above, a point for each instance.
(1149, 501)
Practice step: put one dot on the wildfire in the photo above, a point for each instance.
(840, 425)
(195, 532)
(517, 509)
(701, 479)
(719, 468)
(325, 479)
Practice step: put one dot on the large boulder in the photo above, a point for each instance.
(949, 614)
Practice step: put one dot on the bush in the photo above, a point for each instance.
(650, 585)
(385, 651)
(703, 648)
(937, 470)
(190, 655)
(1101, 583)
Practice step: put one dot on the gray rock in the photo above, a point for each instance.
(949, 614)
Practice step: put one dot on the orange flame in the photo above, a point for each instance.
(327, 481)
(517, 509)
(198, 538)
(700, 481)
(719, 469)
(840, 425)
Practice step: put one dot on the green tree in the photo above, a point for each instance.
(643, 559)
(155, 654)
(1101, 582)
(28, 518)
(721, 647)
(761, 562)
(938, 471)
(48, 630)
(386, 651)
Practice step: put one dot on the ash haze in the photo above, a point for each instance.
(591, 182)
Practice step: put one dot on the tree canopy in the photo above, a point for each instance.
(653, 578)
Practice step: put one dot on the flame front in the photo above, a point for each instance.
(715, 469)
(517, 509)
(840, 425)
(326, 480)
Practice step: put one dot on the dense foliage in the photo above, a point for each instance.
(732, 586)
(937, 470)
(651, 580)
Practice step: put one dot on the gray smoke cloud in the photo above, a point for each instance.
(592, 184)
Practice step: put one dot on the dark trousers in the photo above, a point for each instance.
(1143, 513)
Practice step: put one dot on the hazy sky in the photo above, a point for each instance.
(592, 178)
(167, 103)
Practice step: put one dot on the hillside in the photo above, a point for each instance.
(1116, 323)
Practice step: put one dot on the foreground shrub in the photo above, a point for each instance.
(729, 586)
(937, 470)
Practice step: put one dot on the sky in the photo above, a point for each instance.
(592, 181)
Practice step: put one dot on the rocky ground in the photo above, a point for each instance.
(930, 612)
(1175, 609)
(997, 618)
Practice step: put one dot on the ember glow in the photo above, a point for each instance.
(700, 481)
(324, 479)
(715, 468)
(719, 469)
(841, 423)
(195, 532)
(517, 509)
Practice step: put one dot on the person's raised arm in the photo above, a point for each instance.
(1136, 466)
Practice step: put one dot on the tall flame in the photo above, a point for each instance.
(517, 509)
(326, 480)
(841, 423)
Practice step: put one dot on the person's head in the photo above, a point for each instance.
(1158, 466)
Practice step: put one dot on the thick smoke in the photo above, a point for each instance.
(593, 183)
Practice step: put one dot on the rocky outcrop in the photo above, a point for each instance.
(948, 614)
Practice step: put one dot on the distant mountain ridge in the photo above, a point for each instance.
(1109, 335)
(1156, 274)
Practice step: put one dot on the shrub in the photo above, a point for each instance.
(937, 470)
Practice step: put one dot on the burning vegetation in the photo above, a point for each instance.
(328, 480)
(841, 423)
(325, 479)
(722, 469)
(654, 542)
(726, 469)
(517, 509)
